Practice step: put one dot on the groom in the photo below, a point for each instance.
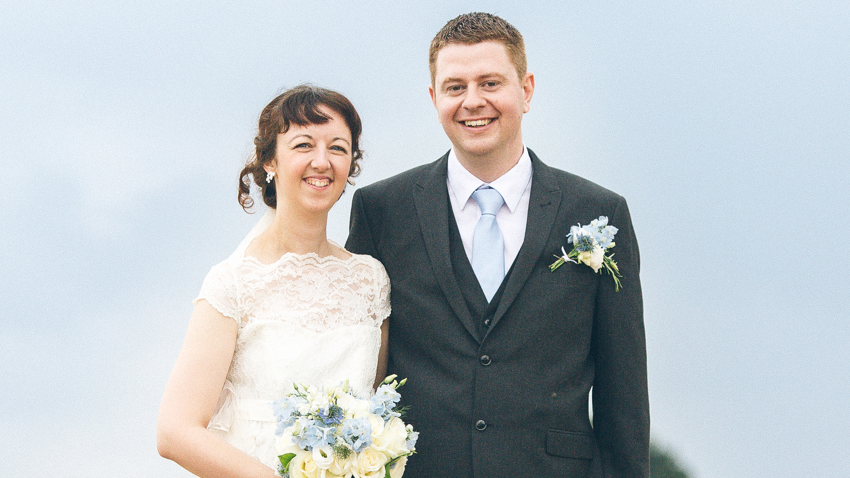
(501, 353)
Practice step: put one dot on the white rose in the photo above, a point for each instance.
(344, 467)
(397, 468)
(377, 424)
(393, 438)
(370, 463)
(303, 466)
(593, 258)
(323, 457)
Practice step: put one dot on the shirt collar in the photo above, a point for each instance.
(510, 185)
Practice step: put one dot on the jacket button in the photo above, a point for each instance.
(480, 425)
(485, 360)
(487, 322)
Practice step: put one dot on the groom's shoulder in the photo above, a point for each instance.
(575, 185)
(402, 182)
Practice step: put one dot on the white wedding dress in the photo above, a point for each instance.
(302, 319)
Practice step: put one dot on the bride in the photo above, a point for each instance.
(287, 306)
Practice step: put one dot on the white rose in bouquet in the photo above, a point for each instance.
(370, 463)
(377, 424)
(303, 466)
(397, 468)
(344, 466)
(393, 438)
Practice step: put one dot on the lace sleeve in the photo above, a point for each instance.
(220, 290)
(381, 308)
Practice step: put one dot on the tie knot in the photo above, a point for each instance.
(488, 199)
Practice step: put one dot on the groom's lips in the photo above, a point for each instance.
(477, 123)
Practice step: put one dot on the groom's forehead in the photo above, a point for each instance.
(474, 50)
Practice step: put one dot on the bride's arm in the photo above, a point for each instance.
(381, 373)
(190, 398)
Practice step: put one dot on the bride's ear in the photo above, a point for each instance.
(271, 166)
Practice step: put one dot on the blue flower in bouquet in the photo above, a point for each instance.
(384, 402)
(286, 411)
(312, 435)
(412, 438)
(387, 394)
(357, 432)
(333, 415)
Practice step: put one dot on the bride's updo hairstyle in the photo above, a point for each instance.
(300, 106)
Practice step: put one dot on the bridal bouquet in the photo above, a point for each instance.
(330, 433)
(590, 242)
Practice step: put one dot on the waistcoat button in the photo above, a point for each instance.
(485, 360)
(480, 425)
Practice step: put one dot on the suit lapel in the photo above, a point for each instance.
(431, 199)
(543, 203)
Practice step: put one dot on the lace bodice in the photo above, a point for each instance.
(304, 319)
(312, 292)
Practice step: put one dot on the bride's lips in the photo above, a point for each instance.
(320, 182)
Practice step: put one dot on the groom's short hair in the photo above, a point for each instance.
(477, 27)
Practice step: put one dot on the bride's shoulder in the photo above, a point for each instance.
(357, 258)
(377, 269)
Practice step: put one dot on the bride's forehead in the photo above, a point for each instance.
(333, 126)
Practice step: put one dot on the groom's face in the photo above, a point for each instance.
(480, 100)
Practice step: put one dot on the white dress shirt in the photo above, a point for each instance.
(515, 188)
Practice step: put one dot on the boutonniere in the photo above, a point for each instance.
(590, 243)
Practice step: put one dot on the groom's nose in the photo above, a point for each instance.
(473, 99)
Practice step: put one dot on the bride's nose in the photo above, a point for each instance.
(321, 161)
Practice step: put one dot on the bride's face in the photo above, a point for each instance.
(312, 163)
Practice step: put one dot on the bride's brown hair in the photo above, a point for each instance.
(300, 106)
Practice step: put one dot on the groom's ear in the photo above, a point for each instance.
(433, 95)
(527, 91)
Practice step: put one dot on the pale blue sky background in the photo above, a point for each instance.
(123, 126)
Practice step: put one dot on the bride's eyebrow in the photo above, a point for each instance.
(299, 136)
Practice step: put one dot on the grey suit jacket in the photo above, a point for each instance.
(511, 399)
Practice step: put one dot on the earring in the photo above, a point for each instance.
(269, 176)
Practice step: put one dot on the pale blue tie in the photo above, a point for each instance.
(488, 245)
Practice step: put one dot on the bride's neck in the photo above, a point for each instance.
(299, 234)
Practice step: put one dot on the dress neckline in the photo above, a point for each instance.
(295, 256)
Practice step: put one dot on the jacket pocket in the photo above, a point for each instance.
(569, 444)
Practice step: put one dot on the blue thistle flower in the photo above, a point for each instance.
(332, 416)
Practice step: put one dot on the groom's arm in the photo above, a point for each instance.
(620, 395)
(360, 237)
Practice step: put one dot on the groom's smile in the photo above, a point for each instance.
(477, 123)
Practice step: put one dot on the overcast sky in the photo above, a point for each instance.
(123, 126)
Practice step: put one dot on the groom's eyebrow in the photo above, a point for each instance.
(479, 78)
